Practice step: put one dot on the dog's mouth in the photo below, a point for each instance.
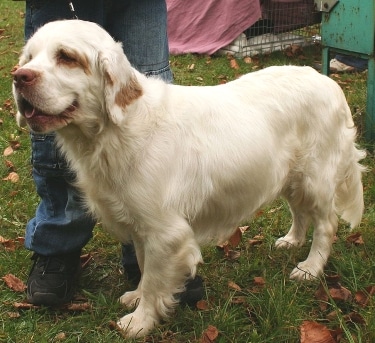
(41, 121)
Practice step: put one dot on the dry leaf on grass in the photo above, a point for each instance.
(24, 306)
(61, 336)
(233, 64)
(12, 177)
(9, 165)
(13, 315)
(77, 307)
(235, 239)
(202, 305)
(210, 334)
(333, 290)
(233, 242)
(313, 332)
(8, 151)
(12, 244)
(14, 283)
(256, 240)
(239, 300)
(355, 238)
(234, 286)
(259, 281)
(248, 60)
(363, 297)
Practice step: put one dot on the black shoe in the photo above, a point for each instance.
(52, 279)
(193, 293)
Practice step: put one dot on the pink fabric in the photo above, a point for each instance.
(205, 26)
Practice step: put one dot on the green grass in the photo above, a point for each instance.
(273, 313)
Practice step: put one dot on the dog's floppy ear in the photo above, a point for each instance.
(121, 87)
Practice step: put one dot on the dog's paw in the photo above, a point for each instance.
(305, 271)
(287, 242)
(131, 299)
(137, 324)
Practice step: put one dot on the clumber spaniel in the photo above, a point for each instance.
(171, 167)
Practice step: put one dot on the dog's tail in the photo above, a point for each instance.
(349, 193)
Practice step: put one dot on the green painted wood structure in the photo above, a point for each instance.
(348, 27)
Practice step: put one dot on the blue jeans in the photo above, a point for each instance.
(60, 224)
(356, 62)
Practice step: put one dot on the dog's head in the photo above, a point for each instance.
(71, 72)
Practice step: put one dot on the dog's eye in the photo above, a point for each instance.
(72, 59)
(65, 57)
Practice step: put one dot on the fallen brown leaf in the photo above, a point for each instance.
(15, 144)
(248, 60)
(12, 244)
(340, 293)
(239, 300)
(354, 317)
(256, 240)
(61, 336)
(259, 281)
(7, 104)
(234, 286)
(332, 289)
(9, 165)
(12, 177)
(24, 306)
(233, 64)
(13, 314)
(355, 238)
(363, 297)
(77, 307)
(8, 151)
(191, 67)
(14, 283)
(313, 332)
(202, 305)
(210, 334)
(235, 239)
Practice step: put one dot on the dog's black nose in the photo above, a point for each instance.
(24, 77)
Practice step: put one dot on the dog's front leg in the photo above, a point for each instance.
(131, 298)
(170, 257)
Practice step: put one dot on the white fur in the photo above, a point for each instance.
(171, 167)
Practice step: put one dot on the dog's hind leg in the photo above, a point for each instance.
(171, 254)
(311, 201)
(300, 206)
(325, 227)
(296, 236)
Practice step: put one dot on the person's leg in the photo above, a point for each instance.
(355, 63)
(141, 26)
(61, 226)
(59, 229)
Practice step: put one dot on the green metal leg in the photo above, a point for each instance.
(370, 115)
(325, 61)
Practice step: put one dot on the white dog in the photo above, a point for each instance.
(170, 167)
